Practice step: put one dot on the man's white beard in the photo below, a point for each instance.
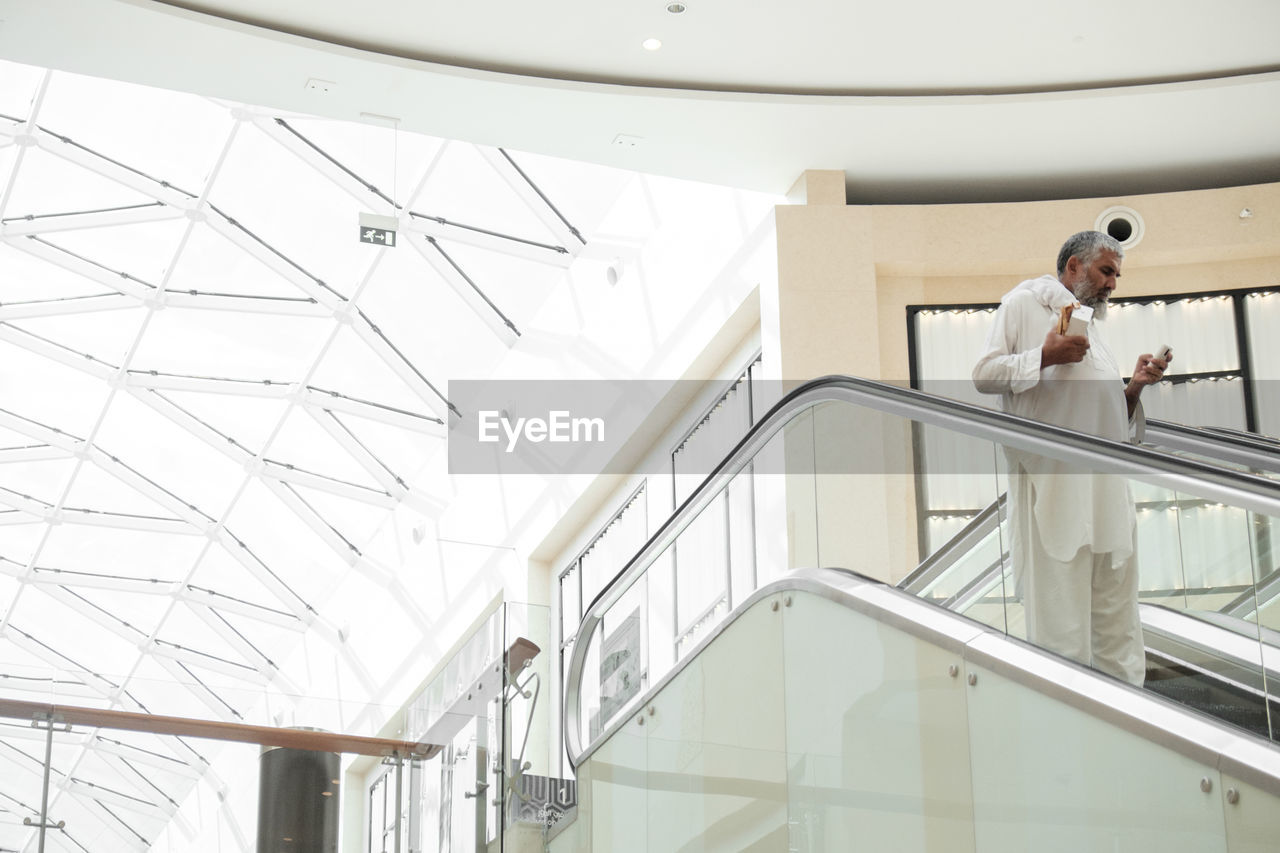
(1098, 302)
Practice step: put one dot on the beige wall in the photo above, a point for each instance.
(846, 274)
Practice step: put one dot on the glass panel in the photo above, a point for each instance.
(1107, 789)
(875, 748)
(716, 774)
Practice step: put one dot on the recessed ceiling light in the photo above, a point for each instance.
(652, 44)
(676, 8)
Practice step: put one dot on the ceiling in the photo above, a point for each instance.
(923, 101)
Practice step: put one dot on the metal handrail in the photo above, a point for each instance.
(1247, 449)
(1230, 487)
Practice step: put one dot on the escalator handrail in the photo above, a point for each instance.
(1245, 449)
(1248, 449)
(1230, 487)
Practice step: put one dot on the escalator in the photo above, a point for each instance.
(1216, 661)
(879, 707)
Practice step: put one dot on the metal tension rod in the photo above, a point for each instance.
(48, 722)
(214, 730)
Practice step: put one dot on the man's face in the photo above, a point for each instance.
(1093, 282)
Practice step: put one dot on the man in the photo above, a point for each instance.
(1073, 531)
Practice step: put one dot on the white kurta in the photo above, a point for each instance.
(1073, 530)
(1072, 508)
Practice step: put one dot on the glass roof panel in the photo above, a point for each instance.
(582, 192)
(180, 466)
(143, 250)
(31, 279)
(211, 263)
(281, 539)
(42, 481)
(403, 452)
(178, 139)
(350, 367)
(225, 581)
(393, 162)
(230, 345)
(143, 561)
(86, 334)
(40, 394)
(291, 213)
(240, 421)
(425, 319)
(303, 444)
(48, 185)
(96, 491)
(516, 286)
(466, 188)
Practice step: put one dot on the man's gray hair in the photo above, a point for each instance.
(1086, 245)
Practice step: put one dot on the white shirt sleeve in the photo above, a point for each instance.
(1011, 361)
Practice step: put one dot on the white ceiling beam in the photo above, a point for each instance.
(226, 604)
(370, 463)
(244, 303)
(59, 593)
(533, 199)
(110, 279)
(502, 328)
(322, 401)
(64, 441)
(83, 788)
(151, 187)
(71, 305)
(28, 225)
(372, 335)
(182, 510)
(275, 262)
(345, 550)
(236, 452)
(269, 389)
(120, 521)
(33, 453)
(104, 689)
(55, 352)
(454, 232)
(13, 518)
(354, 186)
(49, 580)
(342, 489)
(26, 504)
(135, 755)
(290, 599)
(267, 668)
(247, 673)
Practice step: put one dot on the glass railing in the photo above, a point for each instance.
(830, 477)
(486, 708)
(82, 777)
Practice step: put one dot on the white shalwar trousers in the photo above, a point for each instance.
(1085, 609)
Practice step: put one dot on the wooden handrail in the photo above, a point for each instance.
(215, 730)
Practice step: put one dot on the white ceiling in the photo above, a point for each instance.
(924, 101)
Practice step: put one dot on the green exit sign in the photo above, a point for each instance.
(378, 230)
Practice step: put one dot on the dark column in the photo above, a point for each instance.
(297, 801)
